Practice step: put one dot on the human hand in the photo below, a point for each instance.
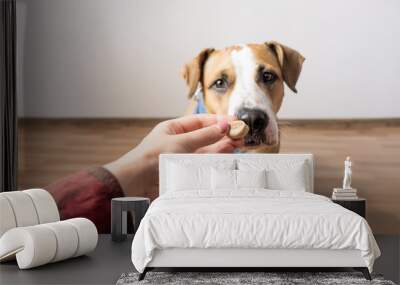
(195, 133)
(137, 171)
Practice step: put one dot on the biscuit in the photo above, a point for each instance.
(238, 129)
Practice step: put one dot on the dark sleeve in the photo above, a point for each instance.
(87, 194)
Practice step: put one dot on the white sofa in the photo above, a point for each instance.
(31, 231)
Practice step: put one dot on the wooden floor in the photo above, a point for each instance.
(51, 149)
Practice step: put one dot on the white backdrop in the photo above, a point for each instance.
(121, 58)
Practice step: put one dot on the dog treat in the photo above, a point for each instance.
(238, 129)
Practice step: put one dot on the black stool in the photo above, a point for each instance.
(119, 208)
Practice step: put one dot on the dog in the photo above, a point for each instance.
(245, 81)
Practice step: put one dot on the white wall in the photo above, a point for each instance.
(101, 58)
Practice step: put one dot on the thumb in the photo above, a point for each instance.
(204, 136)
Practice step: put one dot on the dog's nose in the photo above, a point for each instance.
(256, 119)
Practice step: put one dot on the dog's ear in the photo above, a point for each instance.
(290, 61)
(193, 71)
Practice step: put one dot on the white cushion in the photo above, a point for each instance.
(251, 178)
(31, 246)
(290, 179)
(46, 207)
(67, 237)
(7, 218)
(186, 178)
(223, 179)
(290, 174)
(236, 179)
(87, 233)
(23, 208)
(185, 175)
(26, 208)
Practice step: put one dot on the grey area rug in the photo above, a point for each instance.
(228, 278)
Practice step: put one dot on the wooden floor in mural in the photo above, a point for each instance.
(51, 149)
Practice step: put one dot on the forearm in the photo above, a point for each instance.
(87, 194)
(137, 173)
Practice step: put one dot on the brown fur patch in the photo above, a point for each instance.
(218, 65)
(267, 58)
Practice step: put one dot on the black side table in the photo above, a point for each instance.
(119, 208)
(358, 206)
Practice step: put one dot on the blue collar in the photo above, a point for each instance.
(201, 107)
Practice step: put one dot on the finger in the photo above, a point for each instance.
(203, 137)
(218, 147)
(194, 122)
(223, 146)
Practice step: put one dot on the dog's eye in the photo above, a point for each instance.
(220, 85)
(268, 77)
